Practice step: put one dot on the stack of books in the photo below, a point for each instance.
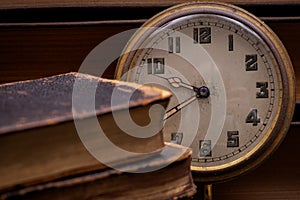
(77, 136)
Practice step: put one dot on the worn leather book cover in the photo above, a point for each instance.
(39, 138)
(171, 180)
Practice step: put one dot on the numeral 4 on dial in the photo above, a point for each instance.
(253, 118)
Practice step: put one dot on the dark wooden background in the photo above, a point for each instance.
(39, 39)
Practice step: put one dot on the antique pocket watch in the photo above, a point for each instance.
(232, 81)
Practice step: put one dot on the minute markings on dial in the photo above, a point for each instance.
(271, 87)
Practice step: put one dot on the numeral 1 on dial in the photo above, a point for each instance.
(230, 42)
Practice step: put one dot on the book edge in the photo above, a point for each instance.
(157, 95)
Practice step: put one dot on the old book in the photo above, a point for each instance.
(38, 138)
(173, 181)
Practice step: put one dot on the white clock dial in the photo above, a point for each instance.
(227, 85)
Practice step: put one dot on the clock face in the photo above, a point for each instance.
(227, 87)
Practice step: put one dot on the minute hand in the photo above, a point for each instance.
(177, 108)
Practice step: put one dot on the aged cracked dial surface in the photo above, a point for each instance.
(230, 90)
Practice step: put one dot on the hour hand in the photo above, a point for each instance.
(202, 92)
(177, 82)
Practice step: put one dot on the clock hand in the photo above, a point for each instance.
(177, 82)
(177, 108)
(202, 92)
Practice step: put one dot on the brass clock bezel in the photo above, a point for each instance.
(280, 125)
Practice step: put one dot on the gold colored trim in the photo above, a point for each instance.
(284, 70)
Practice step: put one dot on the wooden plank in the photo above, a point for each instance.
(277, 178)
(88, 3)
(31, 50)
(289, 33)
